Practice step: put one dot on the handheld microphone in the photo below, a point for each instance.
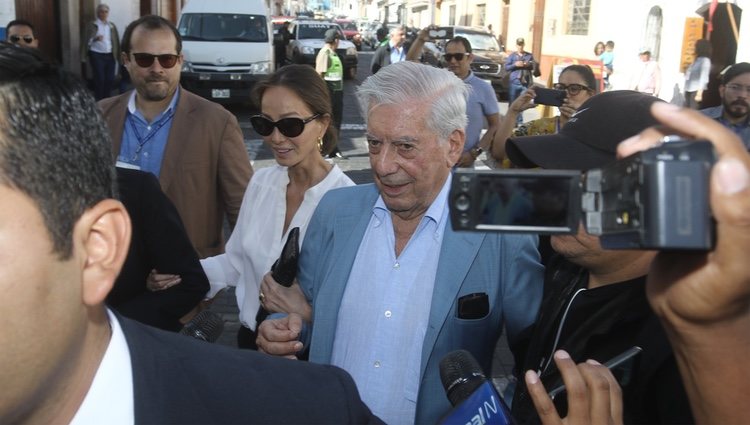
(284, 270)
(473, 396)
(206, 326)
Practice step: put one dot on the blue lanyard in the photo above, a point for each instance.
(144, 140)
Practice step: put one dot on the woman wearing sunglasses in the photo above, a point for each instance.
(579, 84)
(295, 122)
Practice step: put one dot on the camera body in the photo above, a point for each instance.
(655, 199)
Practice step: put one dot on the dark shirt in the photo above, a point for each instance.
(599, 324)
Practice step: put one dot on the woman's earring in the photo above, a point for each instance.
(320, 144)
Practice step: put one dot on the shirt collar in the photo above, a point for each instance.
(435, 212)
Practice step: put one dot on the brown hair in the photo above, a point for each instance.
(307, 84)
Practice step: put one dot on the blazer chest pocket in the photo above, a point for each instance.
(473, 306)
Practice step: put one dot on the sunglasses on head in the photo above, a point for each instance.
(572, 89)
(289, 127)
(457, 56)
(145, 60)
(26, 38)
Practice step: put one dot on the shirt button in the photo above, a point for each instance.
(148, 128)
(387, 313)
(397, 265)
(376, 364)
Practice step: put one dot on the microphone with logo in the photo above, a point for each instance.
(475, 400)
(206, 326)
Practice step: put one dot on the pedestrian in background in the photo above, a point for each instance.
(21, 33)
(328, 65)
(520, 64)
(696, 75)
(101, 46)
(647, 75)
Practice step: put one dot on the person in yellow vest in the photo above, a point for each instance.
(328, 65)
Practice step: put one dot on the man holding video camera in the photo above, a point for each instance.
(595, 304)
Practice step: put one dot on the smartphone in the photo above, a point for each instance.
(549, 97)
(441, 33)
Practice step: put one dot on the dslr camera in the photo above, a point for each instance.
(654, 199)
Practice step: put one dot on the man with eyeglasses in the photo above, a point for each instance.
(480, 105)
(101, 46)
(21, 33)
(194, 146)
(734, 112)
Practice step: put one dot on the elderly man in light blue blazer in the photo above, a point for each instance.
(387, 287)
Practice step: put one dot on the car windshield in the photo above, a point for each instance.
(481, 41)
(223, 27)
(313, 31)
(349, 26)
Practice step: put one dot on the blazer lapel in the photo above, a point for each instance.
(182, 123)
(456, 256)
(348, 230)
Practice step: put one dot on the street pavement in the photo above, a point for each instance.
(356, 165)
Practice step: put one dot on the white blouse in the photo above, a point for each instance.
(257, 238)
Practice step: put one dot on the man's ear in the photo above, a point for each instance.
(102, 235)
(456, 146)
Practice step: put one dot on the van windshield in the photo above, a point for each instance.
(223, 27)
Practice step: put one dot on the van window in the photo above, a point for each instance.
(223, 27)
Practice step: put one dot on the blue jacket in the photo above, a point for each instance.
(504, 267)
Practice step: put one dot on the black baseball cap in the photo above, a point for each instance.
(332, 35)
(590, 138)
(520, 41)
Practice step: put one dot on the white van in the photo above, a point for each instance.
(228, 46)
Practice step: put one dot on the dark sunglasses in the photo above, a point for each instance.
(145, 60)
(457, 56)
(289, 127)
(572, 89)
(26, 38)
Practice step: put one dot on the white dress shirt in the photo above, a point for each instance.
(110, 397)
(105, 44)
(258, 237)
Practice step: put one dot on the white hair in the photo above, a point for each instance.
(408, 82)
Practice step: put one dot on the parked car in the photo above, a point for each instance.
(307, 38)
(227, 48)
(351, 32)
(489, 60)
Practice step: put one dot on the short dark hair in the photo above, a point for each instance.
(586, 73)
(307, 84)
(20, 23)
(151, 23)
(610, 44)
(703, 48)
(54, 144)
(462, 40)
(733, 71)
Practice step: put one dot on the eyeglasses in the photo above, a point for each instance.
(289, 127)
(145, 60)
(738, 88)
(26, 39)
(457, 56)
(572, 89)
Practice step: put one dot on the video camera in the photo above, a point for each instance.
(655, 199)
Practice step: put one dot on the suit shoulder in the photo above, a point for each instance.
(205, 105)
(349, 194)
(106, 104)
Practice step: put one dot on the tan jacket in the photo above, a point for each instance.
(205, 168)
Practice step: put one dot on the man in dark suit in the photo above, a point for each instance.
(63, 239)
(195, 147)
(159, 245)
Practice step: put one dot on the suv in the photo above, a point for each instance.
(307, 38)
(489, 59)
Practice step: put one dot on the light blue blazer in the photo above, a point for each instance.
(505, 267)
